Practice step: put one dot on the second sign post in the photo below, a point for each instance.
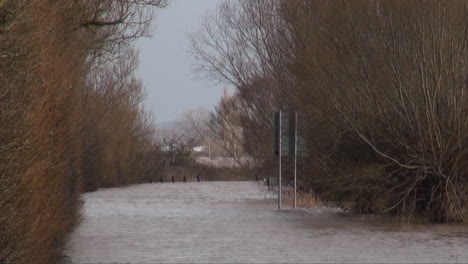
(286, 144)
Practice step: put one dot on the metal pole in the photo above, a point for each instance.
(209, 149)
(295, 159)
(279, 166)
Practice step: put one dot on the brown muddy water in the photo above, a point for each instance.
(237, 222)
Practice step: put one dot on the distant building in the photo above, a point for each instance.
(199, 149)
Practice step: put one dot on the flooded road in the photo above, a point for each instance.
(237, 222)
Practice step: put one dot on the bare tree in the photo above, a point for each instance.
(394, 77)
(381, 85)
(195, 123)
(114, 24)
(245, 43)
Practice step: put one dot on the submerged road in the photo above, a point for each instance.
(237, 222)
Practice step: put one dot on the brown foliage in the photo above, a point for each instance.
(48, 104)
(39, 186)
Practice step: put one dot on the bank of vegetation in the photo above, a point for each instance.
(71, 118)
(381, 87)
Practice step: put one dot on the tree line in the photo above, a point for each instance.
(71, 118)
(381, 87)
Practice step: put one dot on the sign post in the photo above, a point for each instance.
(279, 159)
(292, 150)
(281, 145)
(295, 160)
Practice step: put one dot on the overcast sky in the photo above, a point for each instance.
(166, 66)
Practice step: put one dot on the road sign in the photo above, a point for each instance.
(297, 139)
(282, 127)
(289, 132)
(285, 134)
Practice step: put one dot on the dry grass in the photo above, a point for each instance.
(304, 199)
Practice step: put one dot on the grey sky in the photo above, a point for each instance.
(166, 66)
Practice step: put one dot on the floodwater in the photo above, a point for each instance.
(237, 222)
